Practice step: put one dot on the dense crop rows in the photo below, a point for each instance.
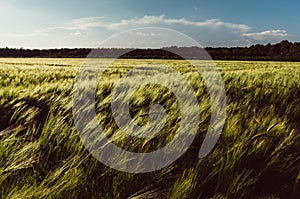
(258, 154)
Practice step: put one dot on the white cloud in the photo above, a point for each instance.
(77, 24)
(99, 22)
(268, 35)
(85, 23)
(78, 33)
(146, 20)
(208, 32)
(82, 31)
(88, 23)
(157, 20)
(144, 34)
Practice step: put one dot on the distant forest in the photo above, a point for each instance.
(283, 51)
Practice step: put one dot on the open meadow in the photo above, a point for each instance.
(257, 155)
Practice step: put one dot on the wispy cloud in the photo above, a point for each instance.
(78, 33)
(99, 22)
(268, 35)
(162, 20)
(77, 24)
(144, 34)
(88, 22)
(211, 32)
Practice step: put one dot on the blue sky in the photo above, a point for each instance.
(66, 23)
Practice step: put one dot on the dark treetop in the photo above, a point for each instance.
(283, 51)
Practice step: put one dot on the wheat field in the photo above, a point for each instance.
(257, 155)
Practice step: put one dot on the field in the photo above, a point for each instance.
(257, 155)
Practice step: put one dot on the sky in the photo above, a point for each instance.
(73, 23)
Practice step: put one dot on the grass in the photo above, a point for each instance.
(257, 156)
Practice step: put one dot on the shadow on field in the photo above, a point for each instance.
(27, 112)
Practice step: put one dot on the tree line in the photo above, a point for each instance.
(283, 51)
